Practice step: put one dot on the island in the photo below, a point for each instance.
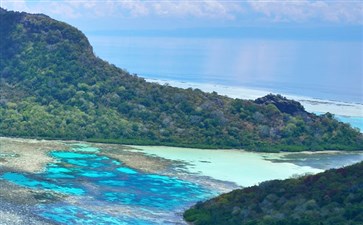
(53, 86)
(332, 197)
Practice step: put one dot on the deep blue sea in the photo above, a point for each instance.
(100, 190)
(319, 69)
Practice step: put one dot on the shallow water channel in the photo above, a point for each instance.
(83, 186)
(104, 191)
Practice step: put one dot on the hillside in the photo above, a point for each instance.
(53, 86)
(329, 198)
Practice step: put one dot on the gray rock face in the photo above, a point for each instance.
(283, 104)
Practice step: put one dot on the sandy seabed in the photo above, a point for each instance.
(23, 155)
(26, 155)
(32, 156)
(217, 170)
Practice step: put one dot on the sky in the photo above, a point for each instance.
(304, 47)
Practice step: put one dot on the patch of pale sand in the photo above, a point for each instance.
(27, 155)
(32, 155)
(10, 218)
(147, 163)
(16, 194)
(135, 160)
(14, 216)
(16, 201)
(327, 152)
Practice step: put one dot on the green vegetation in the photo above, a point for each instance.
(329, 198)
(53, 86)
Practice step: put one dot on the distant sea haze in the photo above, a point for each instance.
(297, 67)
(346, 112)
(311, 72)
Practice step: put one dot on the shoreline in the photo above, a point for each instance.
(16, 197)
(130, 142)
(33, 156)
(18, 200)
(215, 163)
(311, 104)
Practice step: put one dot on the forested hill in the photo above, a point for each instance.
(329, 198)
(53, 86)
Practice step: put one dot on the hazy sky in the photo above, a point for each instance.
(304, 45)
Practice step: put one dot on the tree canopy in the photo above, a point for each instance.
(53, 86)
(328, 198)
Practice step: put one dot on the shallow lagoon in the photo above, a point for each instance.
(98, 181)
(95, 189)
(250, 168)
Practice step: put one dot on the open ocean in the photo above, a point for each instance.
(245, 69)
(273, 66)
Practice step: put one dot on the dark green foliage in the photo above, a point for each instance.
(329, 198)
(53, 86)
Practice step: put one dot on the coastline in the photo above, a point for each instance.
(188, 165)
(247, 168)
(32, 156)
(310, 104)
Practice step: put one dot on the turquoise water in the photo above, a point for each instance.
(356, 122)
(69, 214)
(82, 186)
(103, 186)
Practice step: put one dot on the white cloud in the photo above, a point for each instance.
(304, 10)
(47, 7)
(62, 9)
(19, 5)
(133, 8)
(208, 9)
(349, 11)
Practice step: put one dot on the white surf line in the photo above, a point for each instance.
(310, 104)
